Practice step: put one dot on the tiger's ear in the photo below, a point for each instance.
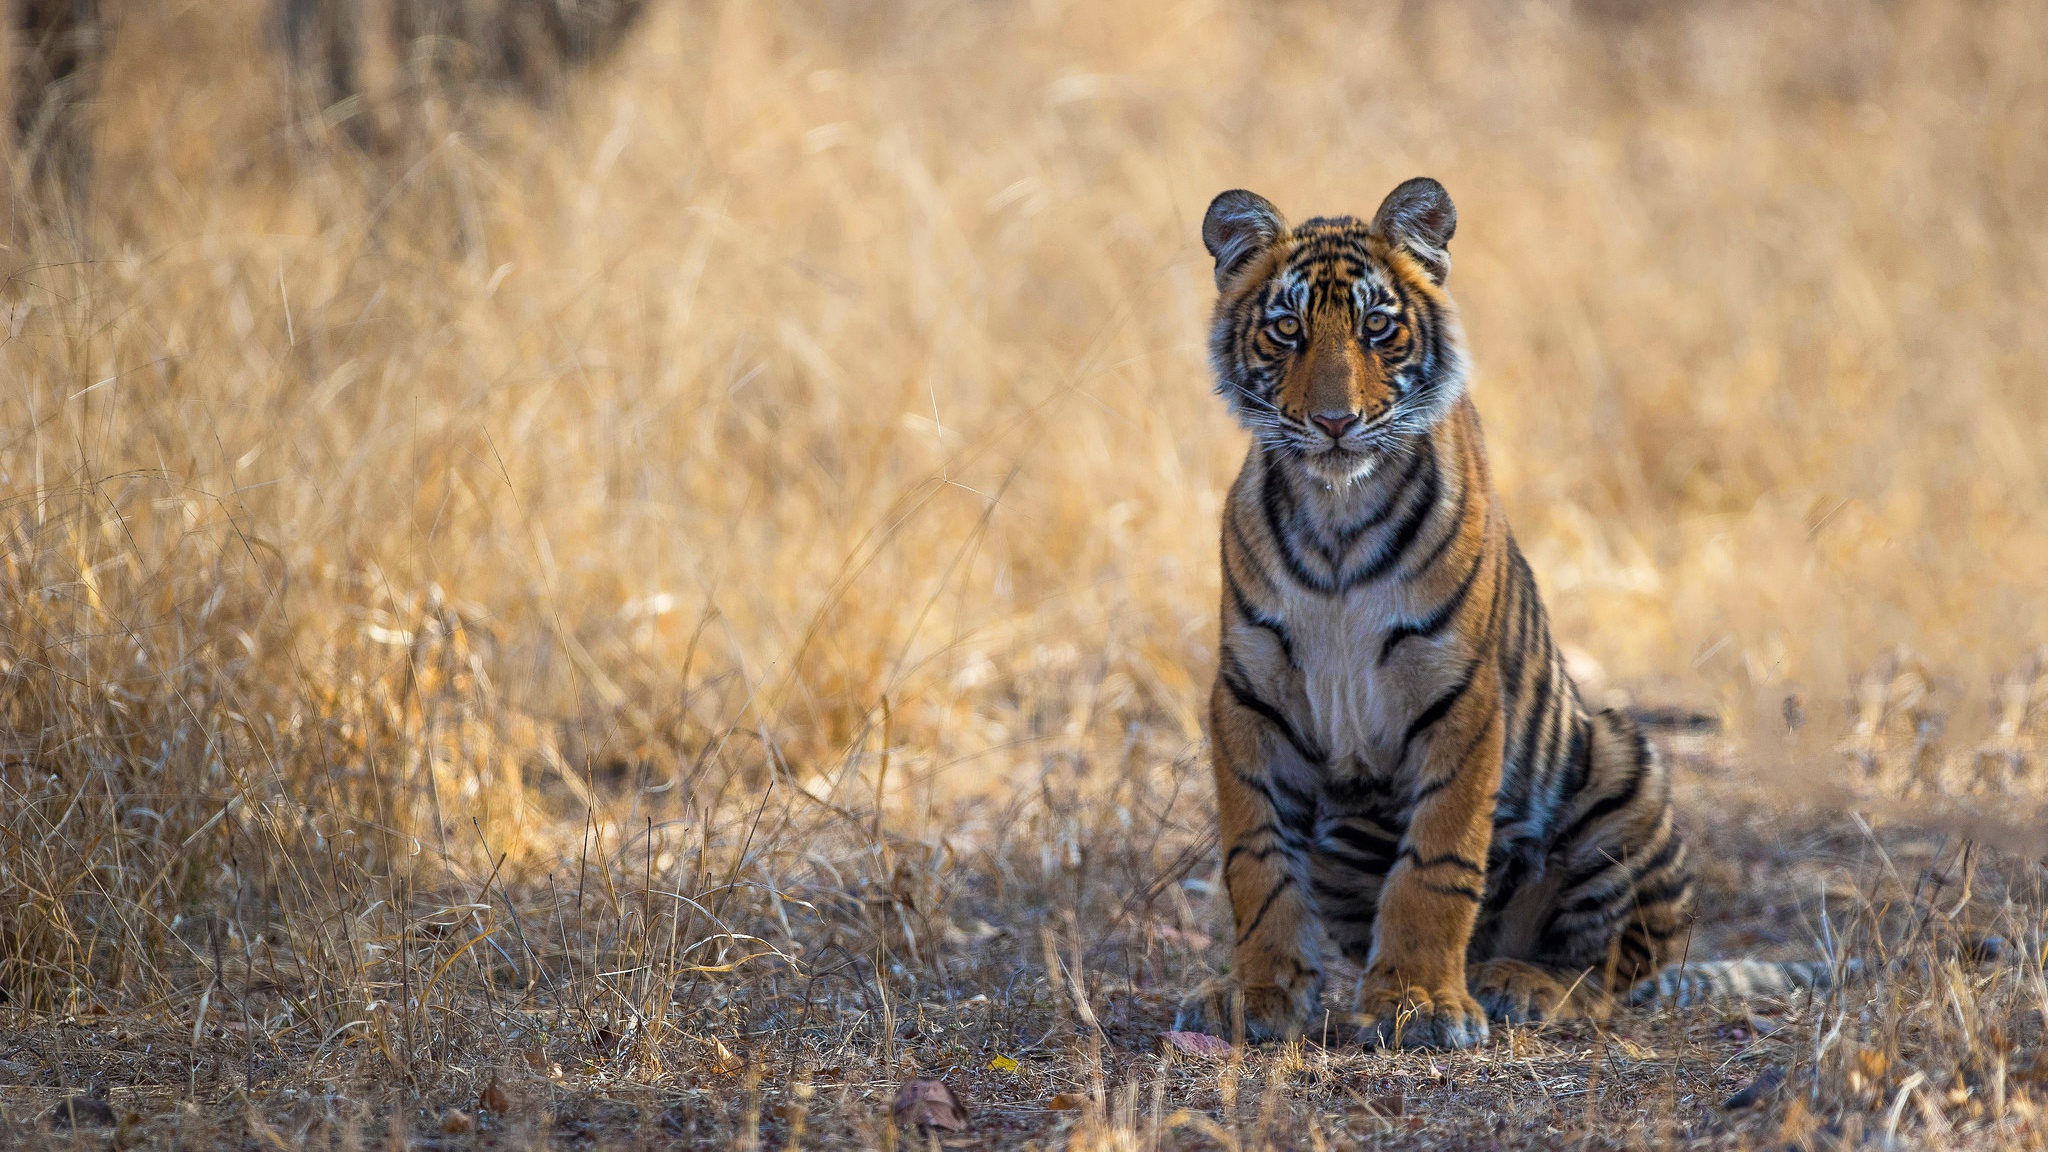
(1420, 217)
(1239, 226)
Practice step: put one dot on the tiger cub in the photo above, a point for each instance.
(1400, 759)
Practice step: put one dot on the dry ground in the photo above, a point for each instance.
(670, 612)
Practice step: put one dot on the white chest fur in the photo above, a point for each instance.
(1357, 707)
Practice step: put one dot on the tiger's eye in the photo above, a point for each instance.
(1377, 323)
(1287, 326)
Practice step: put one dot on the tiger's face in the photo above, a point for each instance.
(1335, 342)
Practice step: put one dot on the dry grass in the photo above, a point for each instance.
(691, 605)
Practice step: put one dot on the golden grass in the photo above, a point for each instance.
(686, 585)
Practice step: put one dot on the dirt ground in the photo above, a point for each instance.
(813, 1054)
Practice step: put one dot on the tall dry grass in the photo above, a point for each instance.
(786, 469)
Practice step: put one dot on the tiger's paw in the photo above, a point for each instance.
(1391, 1014)
(1270, 1013)
(1514, 992)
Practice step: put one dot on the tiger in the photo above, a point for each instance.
(1400, 759)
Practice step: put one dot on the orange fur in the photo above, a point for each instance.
(1400, 759)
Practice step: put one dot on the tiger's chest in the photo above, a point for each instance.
(1354, 696)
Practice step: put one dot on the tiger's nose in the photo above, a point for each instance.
(1335, 423)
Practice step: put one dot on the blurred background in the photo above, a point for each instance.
(431, 431)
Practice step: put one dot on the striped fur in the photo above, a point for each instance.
(1400, 759)
(1731, 981)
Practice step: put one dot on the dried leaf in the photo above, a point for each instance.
(1635, 1051)
(723, 1060)
(1198, 1044)
(1002, 1064)
(1067, 1102)
(493, 1099)
(455, 1122)
(1867, 1071)
(930, 1104)
(1768, 1079)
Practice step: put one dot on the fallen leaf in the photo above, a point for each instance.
(1768, 1079)
(1198, 1044)
(455, 1122)
(930, 1104)
(1867, 1072)
(723, 1061)
(1635, 1051)
(537, 1059)
(1067, 1102)
(493, 1099)
(82, 1112)
(1002, 1064)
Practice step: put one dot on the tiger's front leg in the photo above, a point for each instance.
(1413, 993)
(1276, 959)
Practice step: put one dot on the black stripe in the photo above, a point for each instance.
(1609, 805)
(1539, 706)
(1244, 848)
(1405, 533)
(1670, 933)
(1493, 607)
(1235, 526)
(1285, 883)
(1353, 791)
(1579, 758)
(1502, 889)
(1331, 889)
(1257, 854)
(1626, 888)
(1437, 710)
(1260, 785)
(1427, 627)
(1514, 636)
(1451, 859)
(1454, 890)
(1276, 527)
(1250, 701)
(1458, 763)
(1451, 534)
(1665, 893)
(1349, 534)
(1545, 754)
(1256, 619)
(1363, 839)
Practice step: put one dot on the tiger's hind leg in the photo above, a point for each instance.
(1615, 899)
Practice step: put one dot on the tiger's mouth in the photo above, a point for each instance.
(1339, 462)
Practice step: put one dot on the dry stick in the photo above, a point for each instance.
(532, 960)
(882, 778)
(1077, 981)
(725, 891)
(1676, 1037)
(1600, 1040)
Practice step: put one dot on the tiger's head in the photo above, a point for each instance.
(1334, 341)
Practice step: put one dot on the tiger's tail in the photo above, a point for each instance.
(1726, 982)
